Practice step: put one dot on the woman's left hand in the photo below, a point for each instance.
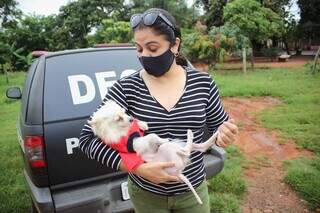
(227, 133)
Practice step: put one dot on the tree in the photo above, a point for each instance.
(31, 33)
(277, 6)
(309, 25)
(255, 21)
(213, 11)
(78, 18)
(8, 12)
(111, 31)
(184, 15)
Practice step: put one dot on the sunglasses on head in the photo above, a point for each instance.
(149, 19)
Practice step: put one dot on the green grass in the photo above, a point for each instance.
(304, 176)
(228, 187)
(298, 118)
(13, 193)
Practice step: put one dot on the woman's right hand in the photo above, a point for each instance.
(155, 172)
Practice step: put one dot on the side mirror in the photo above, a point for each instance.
(14, 93)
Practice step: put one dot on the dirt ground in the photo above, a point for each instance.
(265, 152)
(293, 62)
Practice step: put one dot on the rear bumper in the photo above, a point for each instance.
(41, 197)
(103, 196)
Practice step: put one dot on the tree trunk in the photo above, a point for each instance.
(252, 60)
(286, 45)
(314, 68)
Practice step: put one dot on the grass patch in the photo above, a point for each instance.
(228, 187)
(298, 118)
(13, 192)
(304, 176)
(257, 162)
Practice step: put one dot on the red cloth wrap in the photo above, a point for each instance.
(130, 159)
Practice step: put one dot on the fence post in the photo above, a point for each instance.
(315, 61)
(244, 60)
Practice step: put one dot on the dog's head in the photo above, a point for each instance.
(110, 122)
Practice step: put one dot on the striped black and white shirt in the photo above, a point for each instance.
(199, 104)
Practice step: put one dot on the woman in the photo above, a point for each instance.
(171, 98)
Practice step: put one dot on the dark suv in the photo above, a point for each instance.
(61, 91)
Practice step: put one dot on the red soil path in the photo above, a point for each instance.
(265, 152)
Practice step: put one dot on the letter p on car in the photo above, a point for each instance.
(71, 143)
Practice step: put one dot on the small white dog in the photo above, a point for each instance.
(111, 122)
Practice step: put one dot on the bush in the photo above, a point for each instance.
(112, 31)
(214, 46)
(197, 46)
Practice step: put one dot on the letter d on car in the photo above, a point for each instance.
(77, 98)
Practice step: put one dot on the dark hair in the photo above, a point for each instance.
(161, 28)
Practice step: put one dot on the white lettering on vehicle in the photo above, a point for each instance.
(71, 143)
(103, 81)
(77, 98)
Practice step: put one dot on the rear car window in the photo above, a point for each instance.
(76, 83)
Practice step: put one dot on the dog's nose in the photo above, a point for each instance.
(131, 119)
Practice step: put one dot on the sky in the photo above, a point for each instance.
(41, 7)
(49, 7)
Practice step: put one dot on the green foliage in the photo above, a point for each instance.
(32, 33)
(111, 31)
(214, 46)
(78, 18)
(255, 22)
(198, 46)
(303, 175)
(228, 39)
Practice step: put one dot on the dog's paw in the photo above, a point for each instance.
(184, 152)
(143, 125)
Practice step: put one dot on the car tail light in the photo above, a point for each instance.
(34, 149)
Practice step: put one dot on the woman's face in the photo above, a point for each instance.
(150, 44)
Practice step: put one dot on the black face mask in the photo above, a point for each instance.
(159, 65)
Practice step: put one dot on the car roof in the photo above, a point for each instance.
(90, 49)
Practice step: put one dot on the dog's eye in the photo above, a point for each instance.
(119, 118)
